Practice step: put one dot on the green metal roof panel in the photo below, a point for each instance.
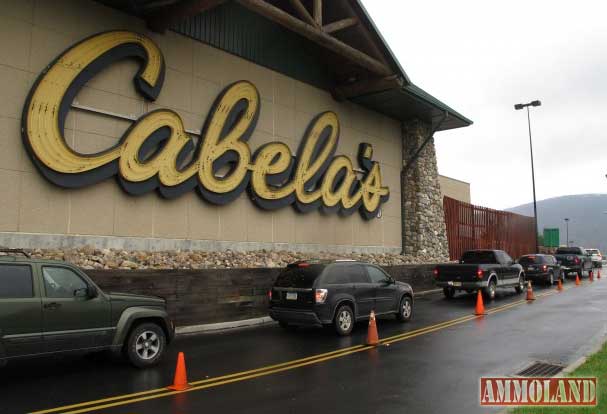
(412, 102)
(236, 30)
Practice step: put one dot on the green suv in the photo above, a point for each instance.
(49, 307)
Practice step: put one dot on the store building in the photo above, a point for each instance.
(454, 188)
(213, 125)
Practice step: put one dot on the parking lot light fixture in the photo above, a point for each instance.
(518, 107)
(567, 227)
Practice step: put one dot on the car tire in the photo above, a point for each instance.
(449, 292)
(344, 320)
(405, 309)
(550, 280)
(490, 289)
(145, 345)
(520, 287)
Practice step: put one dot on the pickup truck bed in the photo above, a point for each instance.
(480, 269)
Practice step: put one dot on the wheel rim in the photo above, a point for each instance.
(492, 290)
(521, 284)
(406, 308)
(344, 320)
(551, 279)
(147, 345)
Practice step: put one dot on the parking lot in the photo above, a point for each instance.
(430, 365)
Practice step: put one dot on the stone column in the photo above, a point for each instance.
(424, 231)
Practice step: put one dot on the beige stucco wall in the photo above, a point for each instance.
(33, 33)
(450, 187)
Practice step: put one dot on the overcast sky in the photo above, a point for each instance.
(482, 57)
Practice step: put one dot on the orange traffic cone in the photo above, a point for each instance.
(372, 338)
(180, 383)
(559, 285)
(577, 279)
(530, 295)
(480, 306)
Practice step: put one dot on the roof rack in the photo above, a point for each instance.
(16, 251)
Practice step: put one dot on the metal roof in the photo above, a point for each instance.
(237, 30)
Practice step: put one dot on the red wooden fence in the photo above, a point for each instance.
(474, 227)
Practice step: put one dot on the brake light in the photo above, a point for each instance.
(544, 268)
(576, 260)
(480, 273)
(435, 271)
(270, 294)
(320, 295)
(303, 264)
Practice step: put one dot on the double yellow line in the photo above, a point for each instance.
(267, 370)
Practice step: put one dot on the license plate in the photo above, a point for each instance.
(457, 283)
(531, 268)
(291, 295)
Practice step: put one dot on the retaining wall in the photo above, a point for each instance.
(219, 295)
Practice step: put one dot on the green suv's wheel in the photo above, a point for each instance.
(344, 320)
(145, 345)
(405, 309)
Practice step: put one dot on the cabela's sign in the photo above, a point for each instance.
(157, 153)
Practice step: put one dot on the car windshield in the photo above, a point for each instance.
(568, 250)
(478, 256)
(299, 277)
(592, 251)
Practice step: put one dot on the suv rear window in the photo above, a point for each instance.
(16, 282)
(530, 259)
(480, 257)
(299, 277)
(568, 250)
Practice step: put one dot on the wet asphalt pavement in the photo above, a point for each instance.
(433, 369)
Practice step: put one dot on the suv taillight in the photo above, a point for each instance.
(270, 294)
(480, 273)
(435, 271)
(544, 268)
(320, 295)
(576, 260)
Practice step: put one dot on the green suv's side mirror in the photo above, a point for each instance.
(87, 292)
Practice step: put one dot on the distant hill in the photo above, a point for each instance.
(587, 223)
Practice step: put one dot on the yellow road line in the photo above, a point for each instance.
(237, 374)
(271, 369)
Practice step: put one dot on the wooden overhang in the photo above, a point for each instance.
(361, 66)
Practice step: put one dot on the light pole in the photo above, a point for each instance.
(517, 107)
(567, 226)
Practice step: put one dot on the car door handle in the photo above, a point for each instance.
(52, 305)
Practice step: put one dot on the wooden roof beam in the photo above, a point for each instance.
(161, 19)
(303, 12)
(340, 25)
(318, 12)
(317, 36)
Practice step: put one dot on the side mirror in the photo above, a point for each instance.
(81, 293)
(86, 292)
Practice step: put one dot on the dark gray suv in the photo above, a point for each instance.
(339, 293)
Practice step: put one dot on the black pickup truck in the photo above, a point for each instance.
(574, 260)
(480, 269)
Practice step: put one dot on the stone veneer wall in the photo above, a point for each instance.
(423, 215)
